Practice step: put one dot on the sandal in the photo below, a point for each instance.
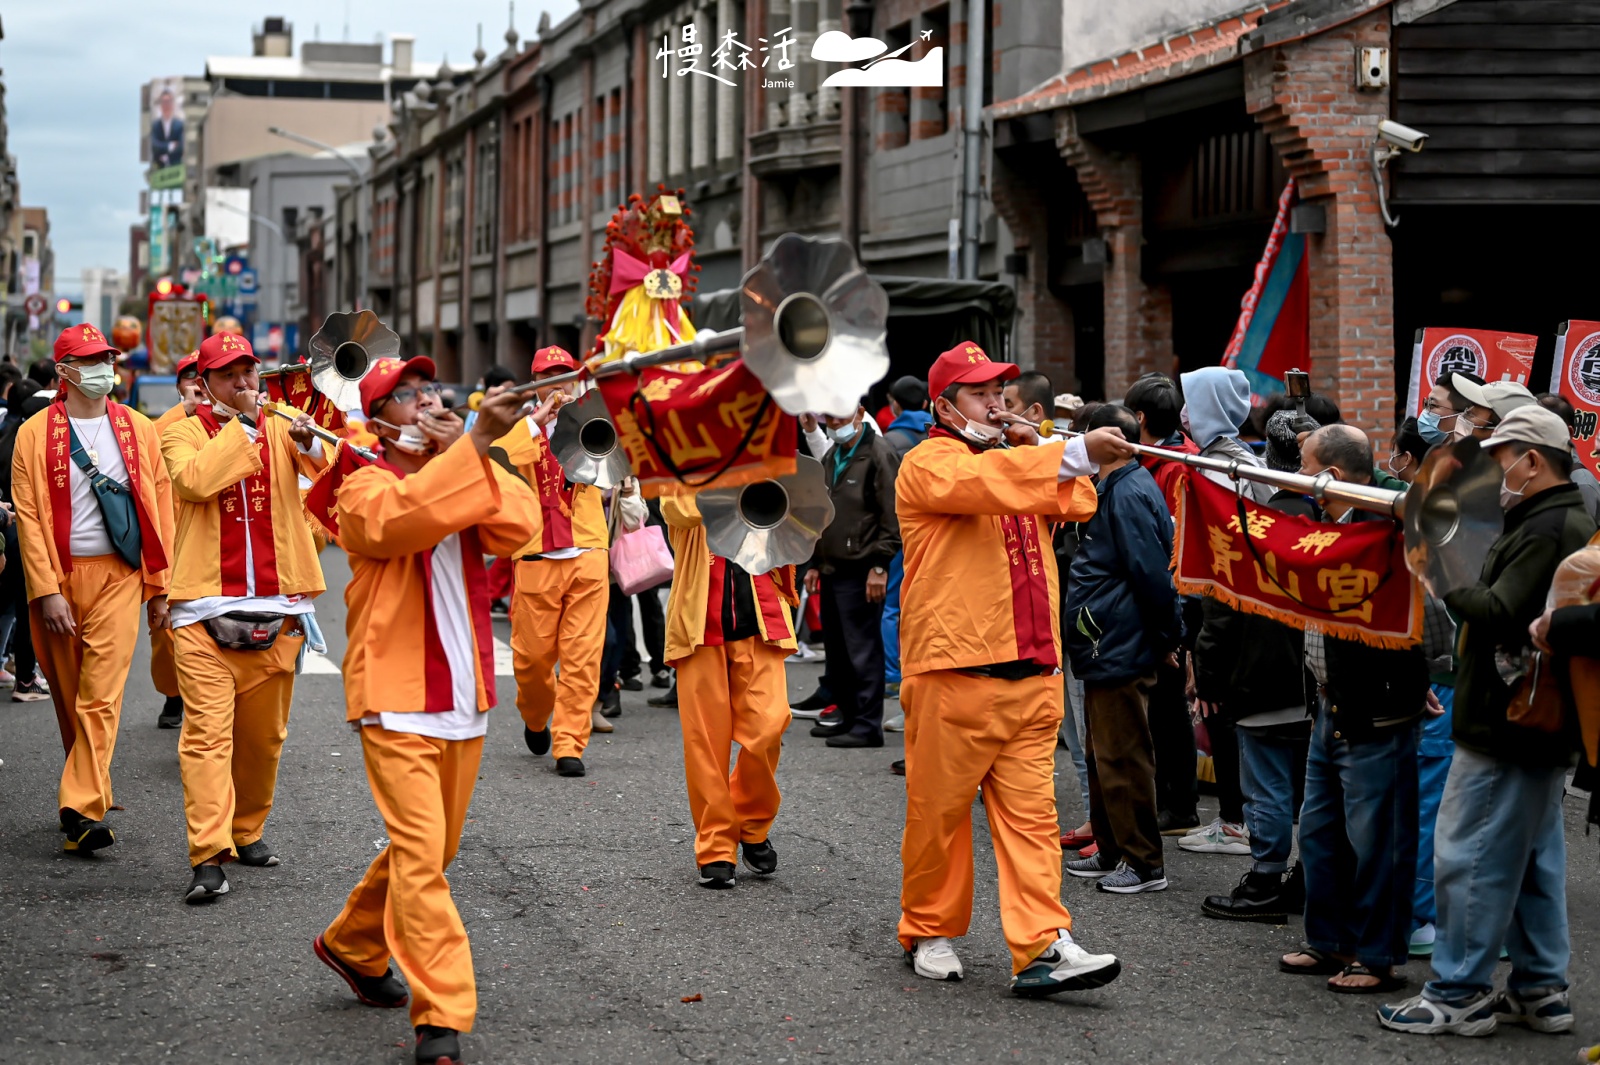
(1385, 984)
(1324, 964)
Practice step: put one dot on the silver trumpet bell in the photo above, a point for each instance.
(768, 524)
(1453, 515)
(585, 443)
(344, 350)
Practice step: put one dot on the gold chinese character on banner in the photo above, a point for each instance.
(680, 448)
(1272, 582)
(738, 413)
(1222, 554)
(1349, 590)
(1259, 524)
(633, 445)
(1317, 542)
(659, 388)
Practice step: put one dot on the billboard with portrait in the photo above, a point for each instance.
(165, 132)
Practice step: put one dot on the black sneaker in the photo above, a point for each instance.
(813, 704)
(569, 767)
(84, 835)
(611, 703)
(210, 882)
(171, 713)
(717, 875)
(661, 678)
(1171, 824)
(538, 742)
(257, 854)
(1259, 897)
(855, 739)
(830, 716)
(632, 684)
(760, 858)
(898, 767)
(834, 728)
(385, 992)
(30, 691)
(438, 1046)
(668, 699)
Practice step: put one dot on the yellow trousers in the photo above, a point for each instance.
(963, 731)
(235, 718)
(402, 907)
(558, 614)
(164, 663)
(734, 693)
(88, 672)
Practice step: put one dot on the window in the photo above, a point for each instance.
(485, 192)
(892, 122)
(454, 203)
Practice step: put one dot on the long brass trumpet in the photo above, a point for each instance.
(282, 410)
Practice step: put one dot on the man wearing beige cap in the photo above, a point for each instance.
(1500, 862)
(1491, 403)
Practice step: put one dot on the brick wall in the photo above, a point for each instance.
(1043, 336)
(1303, 93)
(1138, 317)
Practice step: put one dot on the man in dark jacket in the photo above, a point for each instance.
(1500, 862)
(1358, 825)
(1123, 610)
(853, 559)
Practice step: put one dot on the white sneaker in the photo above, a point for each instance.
(1065, 966)
(897, 723)
(1219, 837)
(935, 959)
(803, 653)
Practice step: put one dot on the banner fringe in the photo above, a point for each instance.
(1339, 630)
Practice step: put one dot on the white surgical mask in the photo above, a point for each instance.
(411, 438)
(846, 433)
(1510, 497)
(96, 381)
(981, 433)
(222, 411)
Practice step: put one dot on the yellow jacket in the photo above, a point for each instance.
(209, 558)
(690, 621)
(574, 515)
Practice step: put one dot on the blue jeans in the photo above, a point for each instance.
(1500, 856)
(1433, 765)
(1358, 842)
(1266, 772)
(1072, 732)
(891, 620)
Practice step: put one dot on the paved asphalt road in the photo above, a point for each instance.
(588, 931)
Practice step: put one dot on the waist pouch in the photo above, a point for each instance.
(245, 631)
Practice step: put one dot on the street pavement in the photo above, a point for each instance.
(589, 933)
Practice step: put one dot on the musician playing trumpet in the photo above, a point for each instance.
(980, 660)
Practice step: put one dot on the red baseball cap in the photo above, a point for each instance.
(81, 341)
(553, 358)
(223, 349)
(966, 364)
(187, 363)
(384, 378)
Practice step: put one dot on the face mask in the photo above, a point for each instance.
(846, 433)
(1397, 469)
(982, 435)
(1183, 420)
(97, 381)
(1510, 497)
(411, 438)
(1464, 427)
(1429, 428)
(222, 410)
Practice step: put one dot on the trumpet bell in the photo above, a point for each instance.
(344, 349)
(1453, 515)
(585, 443)
(768, 524)
(814, 326)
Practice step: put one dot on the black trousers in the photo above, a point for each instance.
(1173, 735)
(852, 634)
(1225, 762)
(14, 590)
(620, 613)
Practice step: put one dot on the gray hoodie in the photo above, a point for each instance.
(1216, 401)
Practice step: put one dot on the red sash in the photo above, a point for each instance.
(255, 501)
(58, 457)
(555, 498)
(767, 591)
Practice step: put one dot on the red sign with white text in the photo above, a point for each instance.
(1492, 355)
(1576, 375)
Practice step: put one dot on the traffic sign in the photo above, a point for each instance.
(249, 282)
(35, 304)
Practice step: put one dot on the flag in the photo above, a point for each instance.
(1575, 375)
(292, 386)
(323, 496)
(1489, 353)
(1273, 334)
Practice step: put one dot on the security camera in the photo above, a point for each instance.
(1400, 136)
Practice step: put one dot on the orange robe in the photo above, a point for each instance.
(728, 692)
(88, 669)
(389, 524)
(236, 702)
(981, 589)
(558, 609)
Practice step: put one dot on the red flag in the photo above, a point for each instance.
(293, 387)
(323, 496)
(1576, 375)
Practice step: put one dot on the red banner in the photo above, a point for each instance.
(1349, 580)
(1576, 375)
(293, 386)
(323, 496)
(1492, 355)
(683, 432)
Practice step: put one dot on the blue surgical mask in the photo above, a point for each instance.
(846, 433)
(1429, 428)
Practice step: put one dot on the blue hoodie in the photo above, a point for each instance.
(915, 423)
(1218, 401)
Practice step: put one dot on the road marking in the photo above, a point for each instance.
(318, 663)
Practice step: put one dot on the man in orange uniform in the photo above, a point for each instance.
(563, 587)
(244, 575)
(419, 676)
(980, 665)
(94, 513)
(163, 652)
(728, 633)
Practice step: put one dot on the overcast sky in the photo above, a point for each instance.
(73, 69)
